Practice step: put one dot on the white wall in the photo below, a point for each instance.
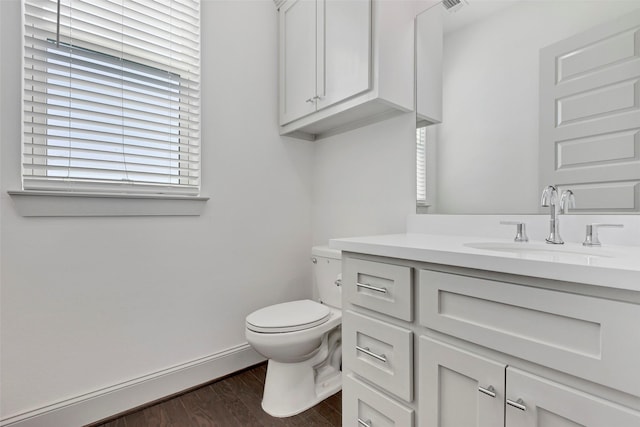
(364, 180)
(488, 142)
(91, 302)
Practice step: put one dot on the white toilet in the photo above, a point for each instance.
(302, 341)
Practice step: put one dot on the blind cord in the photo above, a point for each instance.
(58, 26)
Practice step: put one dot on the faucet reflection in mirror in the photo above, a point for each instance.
(550, 199)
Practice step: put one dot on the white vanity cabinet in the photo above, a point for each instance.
(377, 345)
(459, 388)
(343, 64)
(489, 348)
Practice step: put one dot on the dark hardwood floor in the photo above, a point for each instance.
(231, 401)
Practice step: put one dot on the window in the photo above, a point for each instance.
(111, 96)
(421, 166)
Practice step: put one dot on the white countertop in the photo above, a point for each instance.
(608, 266)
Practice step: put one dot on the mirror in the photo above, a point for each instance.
(483, 157)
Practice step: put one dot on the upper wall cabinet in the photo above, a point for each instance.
(343, 64)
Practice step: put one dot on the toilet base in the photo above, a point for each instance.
(291, 388)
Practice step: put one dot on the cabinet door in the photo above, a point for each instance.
(545, 403)
(458, 388)
(344, 50)
(297, 59)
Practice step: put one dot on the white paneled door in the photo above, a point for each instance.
(590, 116)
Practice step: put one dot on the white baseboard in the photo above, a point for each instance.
(106, 402)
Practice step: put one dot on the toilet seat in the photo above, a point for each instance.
(288, 317)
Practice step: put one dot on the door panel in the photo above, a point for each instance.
(344, 50)
(297, 59)
(549, 404)
(450, 382)
(590, 115)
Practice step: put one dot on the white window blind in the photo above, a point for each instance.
(111, 96)
(421, 165)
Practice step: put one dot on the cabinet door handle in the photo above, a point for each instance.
(364, 423)
(489, 391)
(371, 288)
(365, 350)
(310, 100)
(519, 404)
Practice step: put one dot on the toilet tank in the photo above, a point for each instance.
(327, 265)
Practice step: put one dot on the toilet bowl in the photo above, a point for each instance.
(302, 341)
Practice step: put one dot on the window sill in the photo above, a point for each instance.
(57, 204)
(423, 207)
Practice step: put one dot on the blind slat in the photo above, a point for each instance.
(35, 130)
(157, 116)
(77, 60)
(106, 147)
(147, 171)
(116, 106)
(109, 113)
(81, 154)
(99, 187)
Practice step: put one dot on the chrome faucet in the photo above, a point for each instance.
(550, 199)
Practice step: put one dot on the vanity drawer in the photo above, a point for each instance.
(362, 405)
(589, 337)
(379, 352)
(385, 288)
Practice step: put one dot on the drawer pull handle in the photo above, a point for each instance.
(365, 350)
(489, 391)
(364, 423)
(517, 404)
(371, 288)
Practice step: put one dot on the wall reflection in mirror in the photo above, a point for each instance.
(482, 150)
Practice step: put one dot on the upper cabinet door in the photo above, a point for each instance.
(343, 51)
(297, 59)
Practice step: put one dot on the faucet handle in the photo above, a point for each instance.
(567, 200)
(549, 196)
(521, 230)
(591, 239)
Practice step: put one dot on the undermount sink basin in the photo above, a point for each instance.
(537, 249)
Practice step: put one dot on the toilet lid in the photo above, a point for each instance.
(288, 317)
